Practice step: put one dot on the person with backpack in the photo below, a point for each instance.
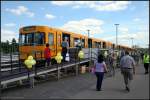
(47, 54)
(111, 63)
(100, 67)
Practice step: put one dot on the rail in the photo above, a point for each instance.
(17, 71)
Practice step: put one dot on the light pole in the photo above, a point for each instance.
(132, 41)
(89, 47)
(88, 36)
(88, 33)
(116, 35)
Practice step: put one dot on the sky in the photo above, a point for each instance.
(79, 16)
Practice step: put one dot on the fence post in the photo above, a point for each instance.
(11, 56)
(30, 79)
(58, 72)
(77, 67)
(19, 57)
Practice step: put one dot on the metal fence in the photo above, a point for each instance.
(12, 66)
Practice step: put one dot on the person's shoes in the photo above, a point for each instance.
(98, 90)
(127, 88)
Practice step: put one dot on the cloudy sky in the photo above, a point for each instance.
(79, 16)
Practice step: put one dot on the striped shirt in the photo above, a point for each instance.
(127, 62)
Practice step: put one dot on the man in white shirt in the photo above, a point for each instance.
(127, 65)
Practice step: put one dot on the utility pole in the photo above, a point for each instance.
(116, 35)
(89, 47)
(132, 41)
(88, 35)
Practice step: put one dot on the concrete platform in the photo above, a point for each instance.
(83, 87)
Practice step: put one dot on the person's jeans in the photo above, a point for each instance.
(99, 76)
(64, 55)
(64, 51)
(48, 61)
(146, 67)
(128, 76)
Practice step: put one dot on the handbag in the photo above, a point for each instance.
(92, 70)
(67, 57)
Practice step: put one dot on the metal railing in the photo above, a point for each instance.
(40, 68)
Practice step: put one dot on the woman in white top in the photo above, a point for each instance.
(100, 68)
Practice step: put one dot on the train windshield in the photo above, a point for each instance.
(31, 39)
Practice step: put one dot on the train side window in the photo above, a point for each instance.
(21, 39)
(76, 40)
(39, 38)
(51, 39)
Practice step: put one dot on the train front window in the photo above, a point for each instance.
(29, 39)
(26, 39)
(21, 39)
(32, 39)
(39, 38)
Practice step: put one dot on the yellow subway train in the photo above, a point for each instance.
(34, 38)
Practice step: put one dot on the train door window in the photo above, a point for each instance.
(76, 40)
(83, 43)
(66, 36)
(104, 45)
(29, 39)
(99, 45)
(95, 44)
(113, 46)
(51, 39)
(39, 38)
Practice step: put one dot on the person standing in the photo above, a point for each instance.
(47, 54)
(65, 47)
(146, 62)
(111, 64)
(122, 54)
(127, 65)
(100, 68)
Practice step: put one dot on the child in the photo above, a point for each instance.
(47, 54)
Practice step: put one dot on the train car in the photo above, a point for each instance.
(32, 41)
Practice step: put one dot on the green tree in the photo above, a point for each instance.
(7, 47)
(14, 45)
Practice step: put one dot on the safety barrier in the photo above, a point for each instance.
(19, 72)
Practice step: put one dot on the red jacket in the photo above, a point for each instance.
(47, 53)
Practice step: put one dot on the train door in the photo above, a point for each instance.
(66, 36)
(83, 43)
(104, 44)
(89, 43)
(52, 43)
(58, 41)
(113, 46)
(99, 44)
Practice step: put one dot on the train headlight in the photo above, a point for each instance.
(58, 58)
(29, 62)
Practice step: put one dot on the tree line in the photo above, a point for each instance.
(9, 46)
